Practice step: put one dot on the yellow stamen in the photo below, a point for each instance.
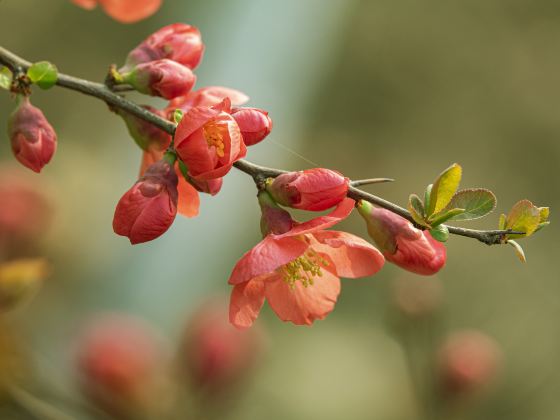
(213, 136)
(304, 269)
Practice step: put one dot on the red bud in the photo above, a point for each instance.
(255, 124)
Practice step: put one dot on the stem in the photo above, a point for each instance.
(259, 173)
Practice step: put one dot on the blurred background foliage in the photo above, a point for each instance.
(369, 87)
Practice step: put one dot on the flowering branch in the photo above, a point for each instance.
(259, 173)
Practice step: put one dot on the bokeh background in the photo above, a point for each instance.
(395, 88)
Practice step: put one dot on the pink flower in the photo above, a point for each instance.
(215, 355)
(401, 243)
(468, 361)
(32, 137)
(148, 209)
(208, 141)
(121, 362)
(125, 11)
(298, 271)
(177, 42)
(313, 189)
(207, 96)
(254, 123)
(164, 78)
(188, 201)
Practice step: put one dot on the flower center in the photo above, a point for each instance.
(305, 269)
(213, 136)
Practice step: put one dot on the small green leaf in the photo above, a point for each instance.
(440, 233)
(518, 250)
(444, 188)
(427, 194)
(502, 222)
(477, 202)
(177, 116)
(5, 78)
(524, 216)
(544, 213)
(444, 216)
(416, 209)
(43, 74)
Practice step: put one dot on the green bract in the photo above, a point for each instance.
(43, 74)
(5, 78)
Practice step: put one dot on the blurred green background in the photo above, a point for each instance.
(396, 88)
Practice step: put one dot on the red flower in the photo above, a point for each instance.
(148, 209)
(32, 137)
(125, 11)
(298, 271)
(401, 243)
(164, 78)
(121, 361)
(254, 123)
(313, 189)
(207, 96)
(177, 42)
(215, 355)
(208, 141)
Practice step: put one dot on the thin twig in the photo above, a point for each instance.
(100, 91)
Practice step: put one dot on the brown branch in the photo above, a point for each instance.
(259, 173)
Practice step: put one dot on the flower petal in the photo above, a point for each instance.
(340, 212)
(129, 11)
(188, 204)
(245, 303)
(352, 256)
(303, 305)
(424, 256)
(265, 257)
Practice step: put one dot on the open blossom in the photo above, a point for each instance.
(125, 11)
(401, 243)
(254, 123)
(313, 189)
(298, 271)
(163, 78)
(207, 96)
(32, 137)
(208, 141)
(121, 364)
(148, 209)
(177, 42)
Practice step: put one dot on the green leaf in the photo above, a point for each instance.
(177, 116)
(5, 78)
(518, 250)
(444, 188)
(502, 222)
(444, 216)
(416, 209)
(440, 233)
(524, 216)
(427, 194)
(477, 202)
(43, 74)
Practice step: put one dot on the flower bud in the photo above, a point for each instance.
(164, 78)
(468, 362)
(121, 363)
(124, 11)
(254, 123)
(146, 135)
(20, 280)
(33, 139)
(274, 219)
(401, 243)
(313, 189)
(216, 355)
(148, 209)
(177, 42)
